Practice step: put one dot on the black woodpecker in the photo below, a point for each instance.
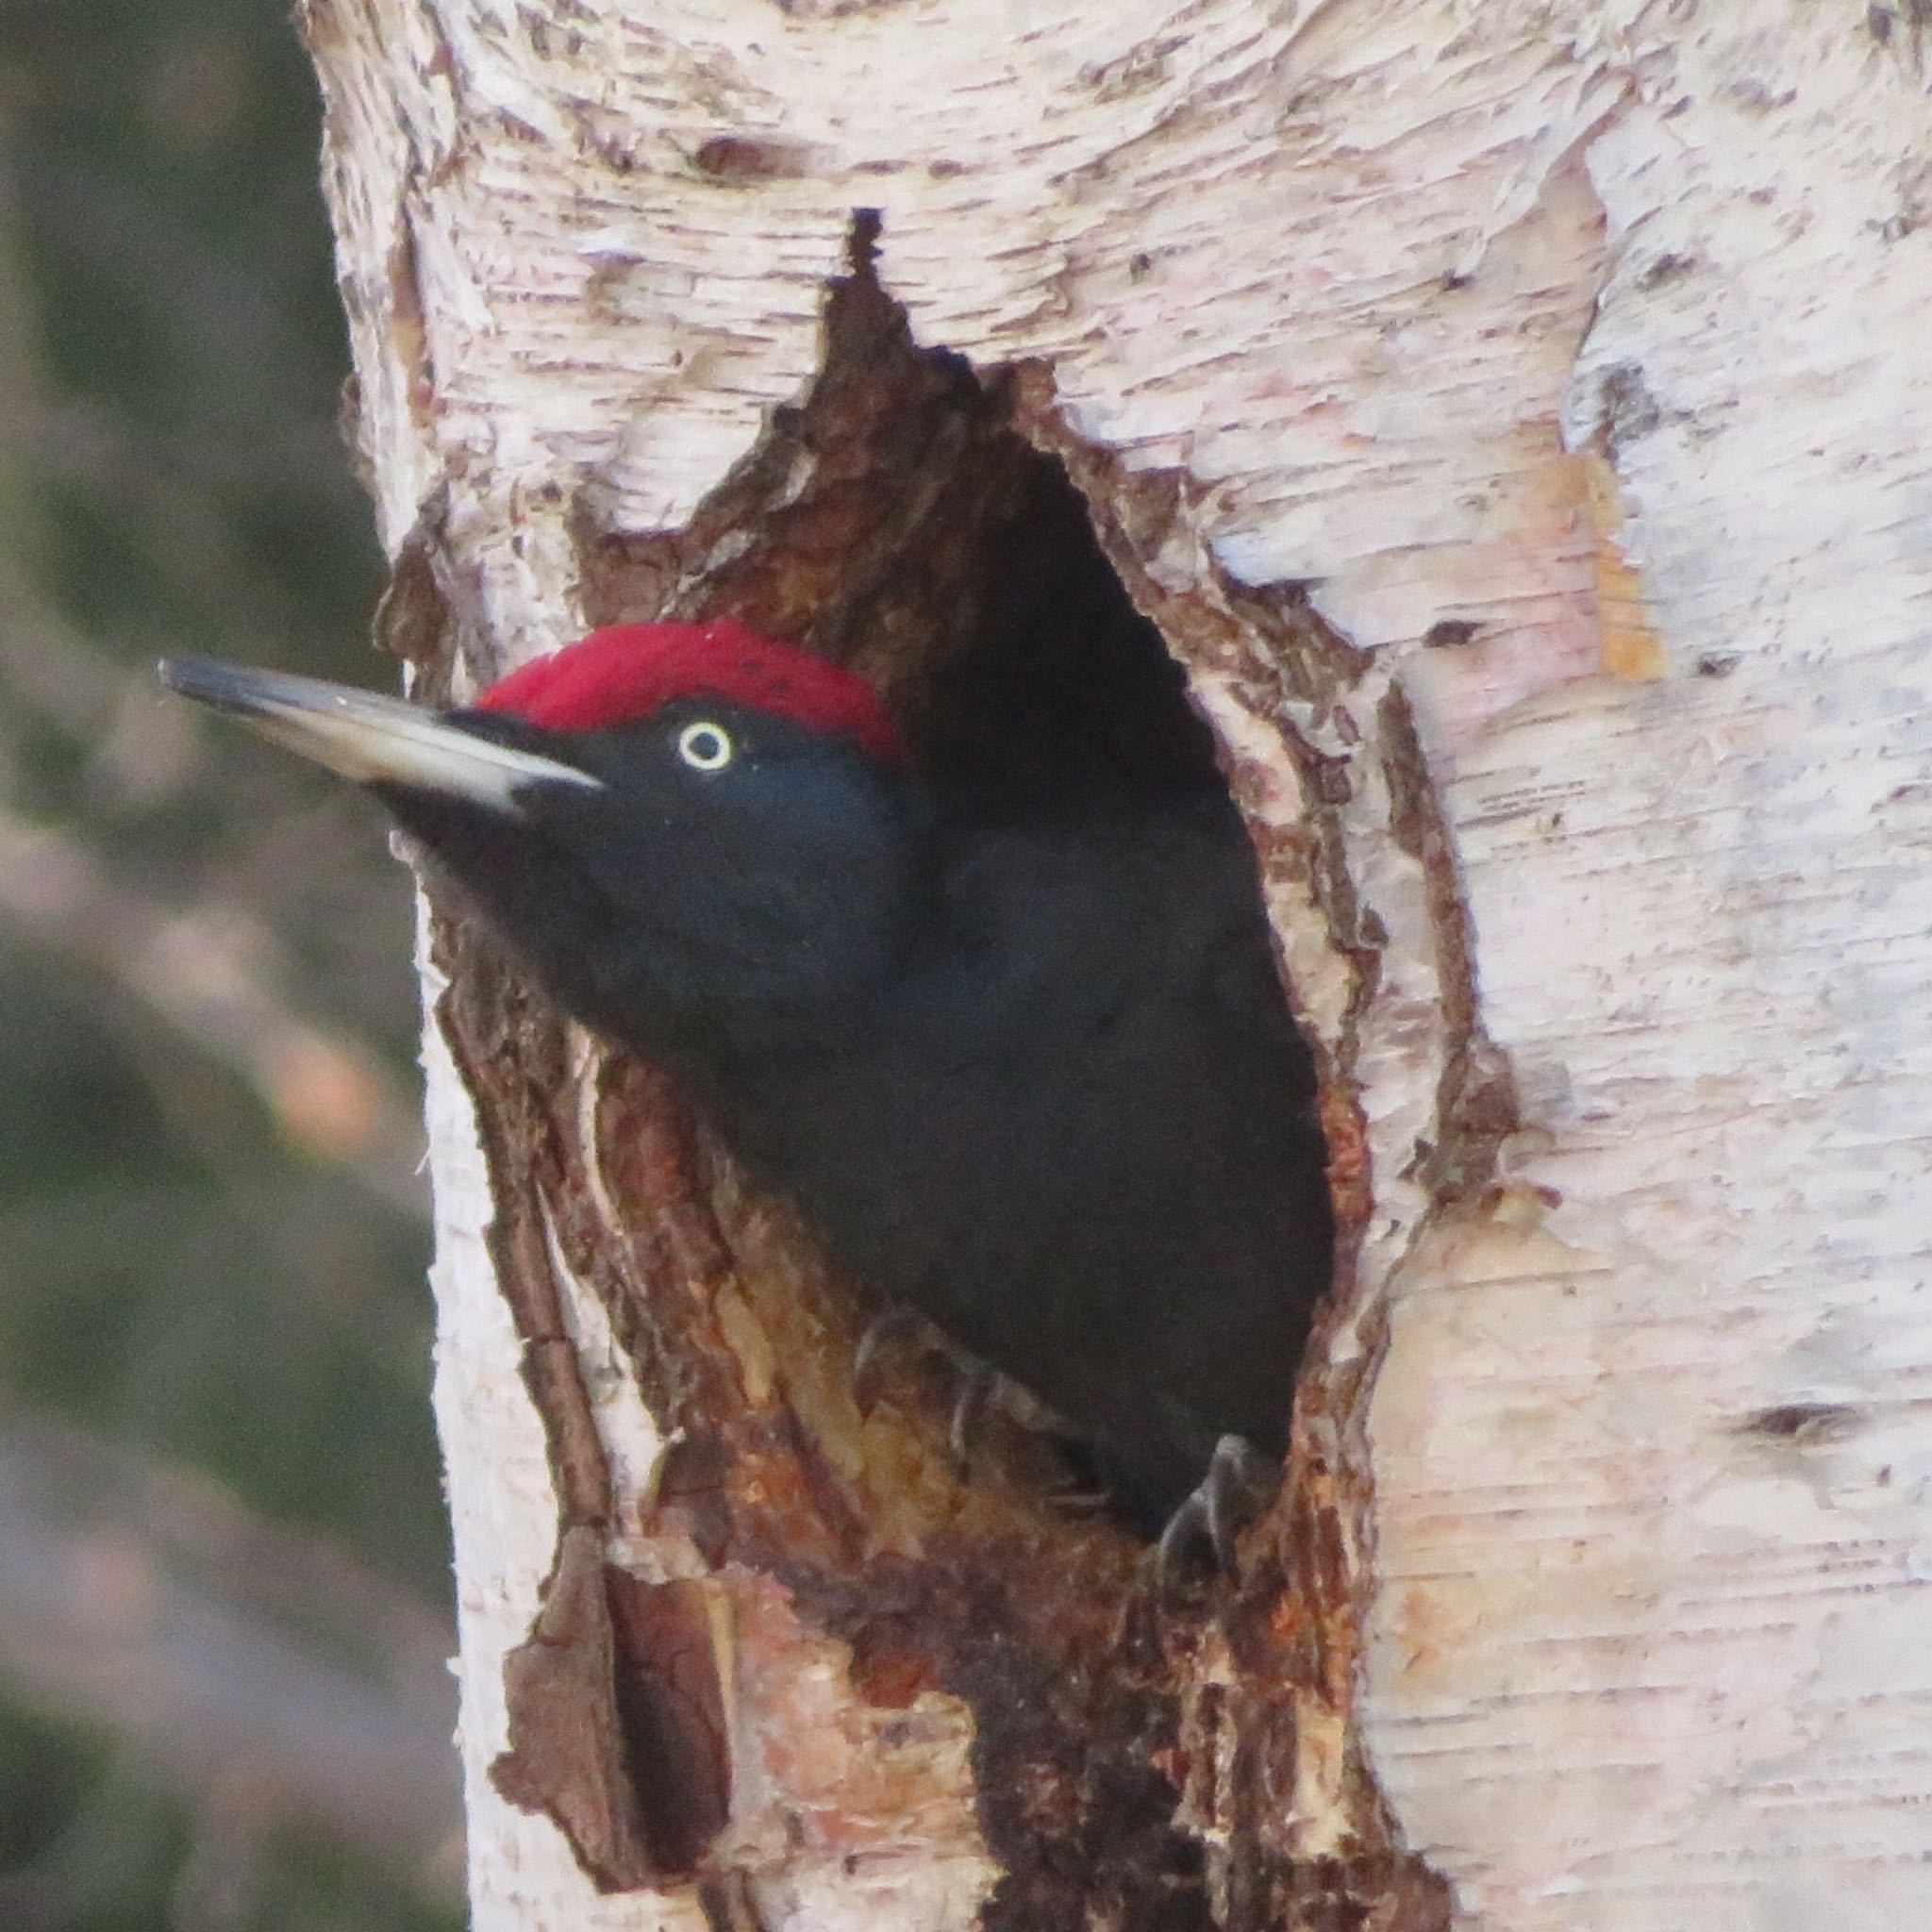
(1022, 1057)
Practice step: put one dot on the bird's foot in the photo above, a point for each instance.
(1238, 1482)
(976, 1382)
(886, 1331)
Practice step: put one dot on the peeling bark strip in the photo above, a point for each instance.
(568, 1757)
(1515, 418)
(616, 1729)
(617, 1722)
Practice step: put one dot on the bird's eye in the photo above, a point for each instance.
(704, 746)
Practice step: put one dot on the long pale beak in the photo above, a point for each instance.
(370, 739)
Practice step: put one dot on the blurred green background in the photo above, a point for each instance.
(224, 1590)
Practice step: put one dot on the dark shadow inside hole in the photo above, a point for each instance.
(1063, 679)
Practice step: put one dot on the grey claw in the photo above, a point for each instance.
(1187, 1528)
(977, 1383)
(883, 1333)
(1214, 1513)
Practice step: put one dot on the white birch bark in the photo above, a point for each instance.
(1574, 355)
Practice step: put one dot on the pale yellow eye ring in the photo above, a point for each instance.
(704, 746)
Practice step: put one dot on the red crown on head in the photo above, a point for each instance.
(628, 671)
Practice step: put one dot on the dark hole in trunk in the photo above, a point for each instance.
(896, 519)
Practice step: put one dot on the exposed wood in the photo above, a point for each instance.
(1517, 417)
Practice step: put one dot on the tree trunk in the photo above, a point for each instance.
(1515, 418)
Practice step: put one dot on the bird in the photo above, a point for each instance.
(1018, 1051)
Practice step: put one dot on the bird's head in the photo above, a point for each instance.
(675, 824)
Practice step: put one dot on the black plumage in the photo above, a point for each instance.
(1018, 1052)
